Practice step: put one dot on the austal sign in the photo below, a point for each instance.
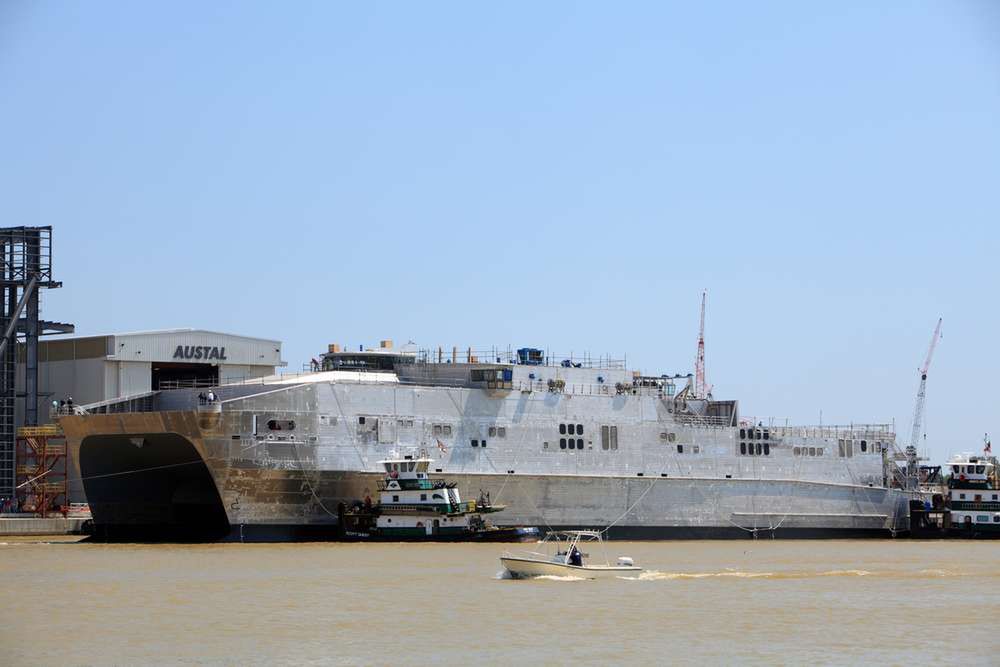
(199, 352)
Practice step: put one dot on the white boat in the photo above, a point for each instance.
(569, 560)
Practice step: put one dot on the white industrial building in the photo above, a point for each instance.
(96, 368)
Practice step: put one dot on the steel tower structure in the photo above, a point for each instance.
(25, 269)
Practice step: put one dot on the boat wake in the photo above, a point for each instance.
(654, 575)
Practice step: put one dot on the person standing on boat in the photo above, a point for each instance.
(575, 557)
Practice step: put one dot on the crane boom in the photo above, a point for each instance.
(918, 410)
(700, 390)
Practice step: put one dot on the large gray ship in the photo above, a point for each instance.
(563, 443)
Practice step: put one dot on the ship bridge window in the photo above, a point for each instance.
(442, 430)
(979, 469)
(864, 445)
(562, 443)
(680, 449)
(743, 449)
(281, 425)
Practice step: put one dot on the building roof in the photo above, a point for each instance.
(157, 332)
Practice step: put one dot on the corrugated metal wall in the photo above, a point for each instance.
(163, 346)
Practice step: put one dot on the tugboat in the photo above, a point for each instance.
(413, 507)
(974, 497)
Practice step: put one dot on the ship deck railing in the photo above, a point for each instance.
(508, 356)
(875, 432)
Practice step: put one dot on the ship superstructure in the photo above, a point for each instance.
(973, 496)
(564, 443)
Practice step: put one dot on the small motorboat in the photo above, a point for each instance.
(569, 560)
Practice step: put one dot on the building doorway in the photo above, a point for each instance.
(175, 376)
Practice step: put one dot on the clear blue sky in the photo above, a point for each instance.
(561, 175)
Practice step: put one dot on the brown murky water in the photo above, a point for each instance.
(890, 602)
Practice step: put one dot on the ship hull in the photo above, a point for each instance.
(167, 489)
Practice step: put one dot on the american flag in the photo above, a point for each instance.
(988, 447)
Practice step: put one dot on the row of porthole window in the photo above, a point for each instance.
(977, 497)
(570, 443)
(983, 518)
(570, 429)
(751, 434)
(755, 449)
(807, 451)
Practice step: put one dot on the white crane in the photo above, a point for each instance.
(918, 411)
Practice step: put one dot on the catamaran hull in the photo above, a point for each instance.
(161, 485)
